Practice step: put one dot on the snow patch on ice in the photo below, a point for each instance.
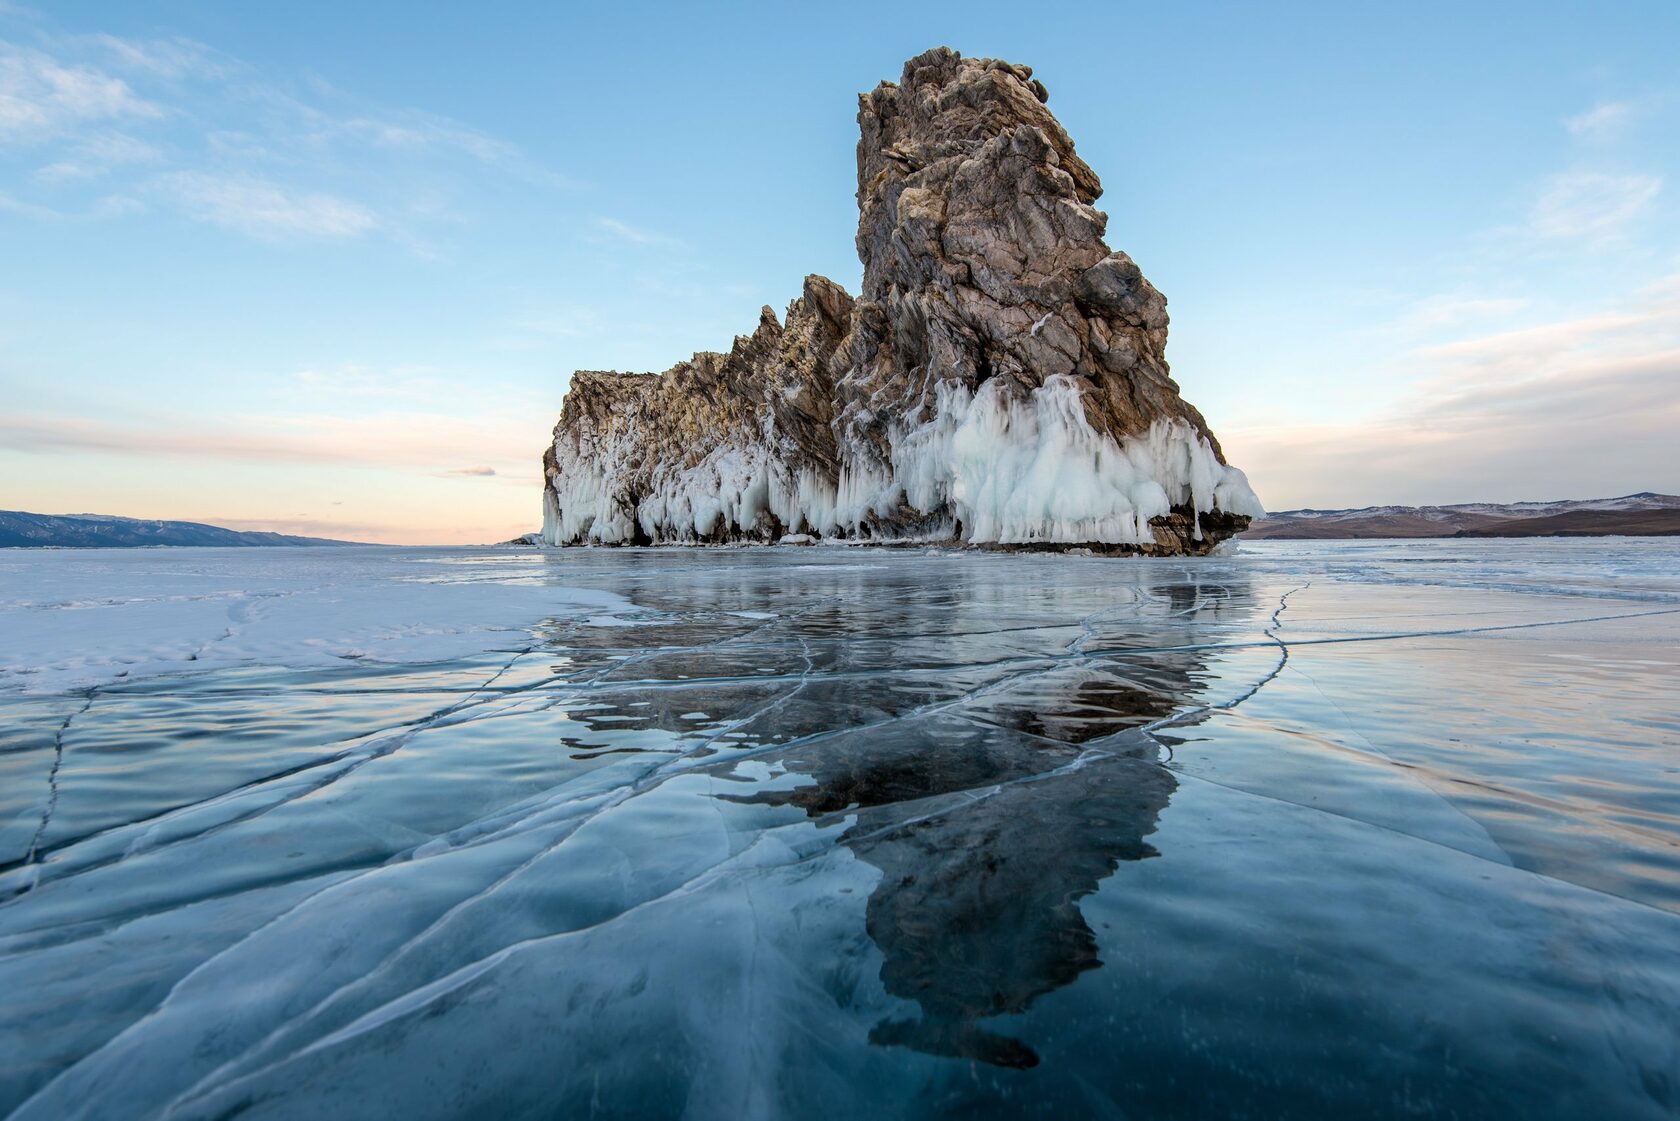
(206, 609)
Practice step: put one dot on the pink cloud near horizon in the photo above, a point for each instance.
(1580, 408)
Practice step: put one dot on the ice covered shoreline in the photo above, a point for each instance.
(983, 470)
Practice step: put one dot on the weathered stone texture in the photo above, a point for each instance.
(989, 301)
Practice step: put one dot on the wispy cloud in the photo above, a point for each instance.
(1578, 407)
(1441, 311)
(393, 440)
(40, 96)
(1526, 347)
(1519, 443)
(1604, 121)
(263, 209)
(165, 58)
(10, 204)
(275, 156)
(100, 209)
(533, 332)
(474, 472)
(96, 155)
(419, 132)
(1591, 205)
(355, 379)
(635, 235)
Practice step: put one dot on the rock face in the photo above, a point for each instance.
(1000, 381)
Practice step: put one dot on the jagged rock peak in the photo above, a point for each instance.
(1001, 380)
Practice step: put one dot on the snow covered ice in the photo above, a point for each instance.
(1307, 830)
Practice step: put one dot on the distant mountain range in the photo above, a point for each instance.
(1634, 515)
(99, 531)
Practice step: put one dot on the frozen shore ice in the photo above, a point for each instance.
(1303, 830)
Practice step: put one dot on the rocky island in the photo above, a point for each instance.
(1000, 381)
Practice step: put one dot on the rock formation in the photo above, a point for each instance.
(1000, 381)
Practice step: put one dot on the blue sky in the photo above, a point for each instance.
(326, 268)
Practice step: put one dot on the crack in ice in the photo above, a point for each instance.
(32, 858)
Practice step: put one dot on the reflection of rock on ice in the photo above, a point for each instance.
(977, 911)
(988, 827)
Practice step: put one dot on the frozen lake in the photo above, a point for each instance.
(1313, 830)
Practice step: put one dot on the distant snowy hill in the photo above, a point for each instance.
(99, 531)
(1634, 515)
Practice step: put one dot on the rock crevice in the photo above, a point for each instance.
(1001, 380)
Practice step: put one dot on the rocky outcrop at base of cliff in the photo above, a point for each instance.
(1001, 380)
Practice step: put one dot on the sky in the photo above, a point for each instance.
(326, 268)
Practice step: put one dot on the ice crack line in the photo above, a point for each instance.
(1069, 657)
(33, 855)
(1271, 632)
(331, 769)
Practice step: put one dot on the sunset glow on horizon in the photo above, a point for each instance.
(325, 272)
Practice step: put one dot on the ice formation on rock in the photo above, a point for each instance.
(1000, 381)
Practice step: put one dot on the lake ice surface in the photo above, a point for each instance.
(1381, 829)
